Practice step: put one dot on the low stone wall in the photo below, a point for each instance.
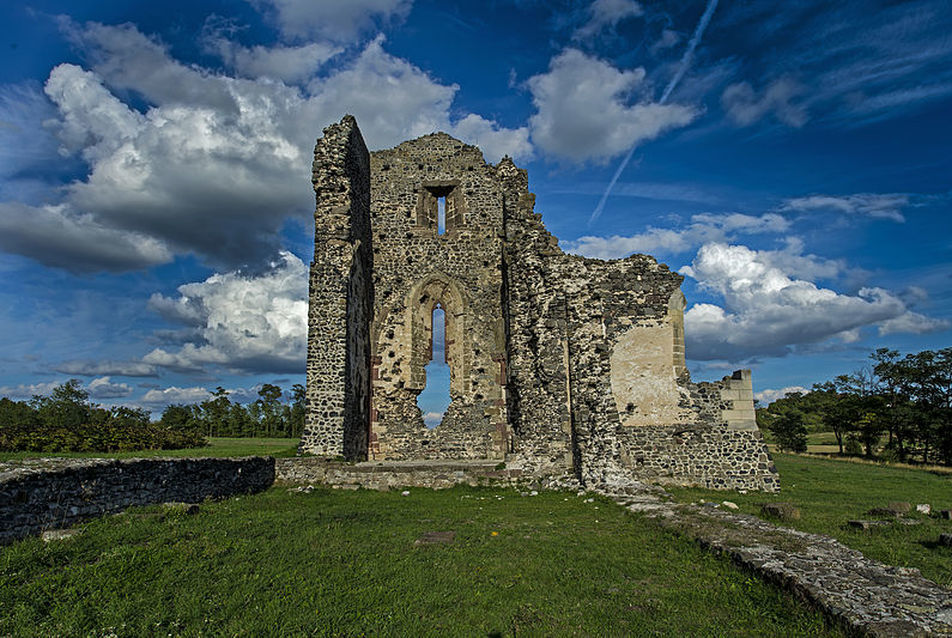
(393, 474)
(714, 457)
(47, 494)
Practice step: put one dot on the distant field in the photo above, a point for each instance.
(830, 492)
(219, 446)
(334, 562)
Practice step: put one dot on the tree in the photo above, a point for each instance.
(270, 408)
(785, 420)
(215, 412)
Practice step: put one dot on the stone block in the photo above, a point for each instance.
(783, 511)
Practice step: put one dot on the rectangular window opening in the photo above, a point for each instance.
(440, 215)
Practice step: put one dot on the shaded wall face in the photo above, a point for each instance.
(415, 268)
(340, 297)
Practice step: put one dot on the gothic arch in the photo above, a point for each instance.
(437, 288)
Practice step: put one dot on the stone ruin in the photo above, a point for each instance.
(560, 365)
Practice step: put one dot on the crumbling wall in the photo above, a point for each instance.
(416, 267)
(558, 364)
(340, 297)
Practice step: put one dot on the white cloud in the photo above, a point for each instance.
(768, 312)
(768, 396)
(104, 388)
(494, 140)
(167, 396)
(28, 390)
(335, 20)
(249, 323)
(213, 165)
(432, 419)
(876, 205)
(106, 368)
(668, 39)
(583, 112)
(60, 236)
(607, 14)
(705, 227)
(288, 63)
(745, 107)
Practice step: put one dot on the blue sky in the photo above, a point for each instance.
(154, 170)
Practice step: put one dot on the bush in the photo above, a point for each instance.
(66, 422)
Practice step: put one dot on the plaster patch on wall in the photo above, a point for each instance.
(642, 377)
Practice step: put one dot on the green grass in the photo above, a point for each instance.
(831, 492)
(218, 446)
(344, 563)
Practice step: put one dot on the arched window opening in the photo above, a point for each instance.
(434, 399)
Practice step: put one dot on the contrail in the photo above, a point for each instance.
(682, 67)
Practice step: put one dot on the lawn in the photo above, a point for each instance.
(348, 563)
(831, 492)
(218, 446)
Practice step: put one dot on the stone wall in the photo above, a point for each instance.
(338, 345)
(416, 268)
(46, 494)
(559, 364)
(394, 474)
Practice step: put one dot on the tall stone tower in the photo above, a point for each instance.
(559, 365)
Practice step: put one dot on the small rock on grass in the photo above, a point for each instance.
(436, 538)
(900, 507)
(730, 505)
(924, 508)
(783, 511)
(58, 534)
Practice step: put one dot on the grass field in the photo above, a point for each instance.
(830, 492)
(218, 446)
(334, 562)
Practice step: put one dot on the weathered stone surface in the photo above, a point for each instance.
(435, 538)
(44, 494)
(559, 365)
(783, 511)
(900, 507)
(868, 598)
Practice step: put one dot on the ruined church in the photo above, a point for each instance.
(559, 365)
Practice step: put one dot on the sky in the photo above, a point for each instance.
(791, 160)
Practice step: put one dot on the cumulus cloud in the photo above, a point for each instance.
(432, 419)
(106, 368)
(745, 106)
(876, 205)
(769, 395)
(768, 312)
(583, 111)
(335, 20)
(248, 323)
(104, 388)
(62, 237)
(287, 63)
(28, 390)
(607, 14)
(212, 165)
(167, 396)
(704, 227)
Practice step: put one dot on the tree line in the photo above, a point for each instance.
(897, 408)
(66, 421)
